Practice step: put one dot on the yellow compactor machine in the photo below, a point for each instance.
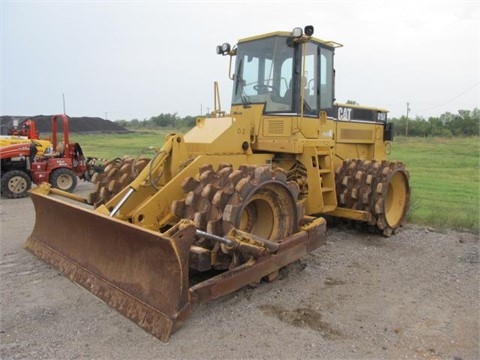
(236, 198)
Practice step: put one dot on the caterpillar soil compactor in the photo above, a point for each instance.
(236, 198)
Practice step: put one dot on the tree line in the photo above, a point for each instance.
(464, 123)
(160, 121)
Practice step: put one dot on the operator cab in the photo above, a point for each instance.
(291, 73)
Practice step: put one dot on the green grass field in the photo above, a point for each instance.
(109, 146)
(445, 180)
(444, 173)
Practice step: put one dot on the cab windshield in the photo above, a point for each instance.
(282, 74)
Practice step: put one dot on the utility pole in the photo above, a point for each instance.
(406, 120)
(64, 111)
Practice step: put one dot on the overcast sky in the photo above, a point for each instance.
(137, 59)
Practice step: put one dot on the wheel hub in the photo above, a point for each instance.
(17, 185)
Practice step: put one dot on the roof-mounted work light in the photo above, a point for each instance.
(223, 49)
(298, 32)
(309, 30)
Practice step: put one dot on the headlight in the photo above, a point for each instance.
(297, 32)
(309, 30)
(226, 48)
(223, 49)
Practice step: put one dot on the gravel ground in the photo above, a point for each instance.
(361, 296)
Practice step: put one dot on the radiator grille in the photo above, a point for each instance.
(276, 127)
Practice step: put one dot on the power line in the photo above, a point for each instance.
(448, 101)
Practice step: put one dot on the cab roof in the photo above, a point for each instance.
(329, 43)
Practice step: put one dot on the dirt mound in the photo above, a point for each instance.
(76, 124)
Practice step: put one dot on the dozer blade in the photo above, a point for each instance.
(140, 273)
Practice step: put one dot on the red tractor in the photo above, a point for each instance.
(25, 133)
(60, 166)
(27, 128)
